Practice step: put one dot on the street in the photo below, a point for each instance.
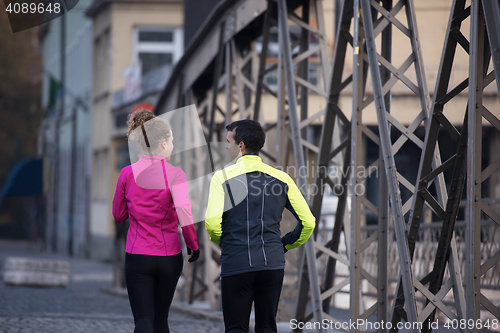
(80, 307)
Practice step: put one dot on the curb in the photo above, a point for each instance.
(177, 306)
(35, 272)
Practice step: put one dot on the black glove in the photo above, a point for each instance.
(195, 256)
(284, 248)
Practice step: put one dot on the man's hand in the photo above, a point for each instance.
(284, 248)
(195, 256)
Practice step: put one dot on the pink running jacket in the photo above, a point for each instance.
(153, 195)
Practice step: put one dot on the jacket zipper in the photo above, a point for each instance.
(262, 223)
(248, 228)
(263, 245)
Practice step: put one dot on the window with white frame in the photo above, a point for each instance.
(156, 47)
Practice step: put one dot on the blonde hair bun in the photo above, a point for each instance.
(156, 130)
(138, 118)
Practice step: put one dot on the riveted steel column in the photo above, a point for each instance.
(229, 84)
(385, 142)
(298, 153)
(215, 85)
(262, 59)
(383, 197)
(331, 129)
(473, 215)
(357, 154)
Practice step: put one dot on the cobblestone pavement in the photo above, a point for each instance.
(80, 307)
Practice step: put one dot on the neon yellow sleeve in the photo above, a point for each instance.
(298, 206)
(215, 208)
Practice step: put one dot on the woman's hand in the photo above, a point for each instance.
(195, 256)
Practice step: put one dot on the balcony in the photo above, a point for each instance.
(152, 82)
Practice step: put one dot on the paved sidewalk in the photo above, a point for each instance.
(80, 307)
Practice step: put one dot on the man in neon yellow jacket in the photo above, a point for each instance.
(245, 206)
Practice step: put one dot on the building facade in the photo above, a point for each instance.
(136, 43)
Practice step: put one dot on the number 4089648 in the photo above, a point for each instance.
(32, 8)
(472, 324)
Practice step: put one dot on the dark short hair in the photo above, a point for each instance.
(250, 132)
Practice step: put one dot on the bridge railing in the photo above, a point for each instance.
(423, 259)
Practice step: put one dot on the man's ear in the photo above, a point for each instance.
(241, 145)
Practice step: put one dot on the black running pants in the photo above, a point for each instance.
(263, 288)
(151, 283)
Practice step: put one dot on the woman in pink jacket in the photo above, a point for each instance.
(153, 195)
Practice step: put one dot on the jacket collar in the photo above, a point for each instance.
(249, 158)
(147, 157)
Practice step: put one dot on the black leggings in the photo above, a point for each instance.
(263, 288)
(151, 282)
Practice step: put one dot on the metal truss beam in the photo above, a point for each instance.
(431, 171)
(332, 150)
(447, 206)
(389, 76)
(479, 262)
(376, 18)
(298, 149)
